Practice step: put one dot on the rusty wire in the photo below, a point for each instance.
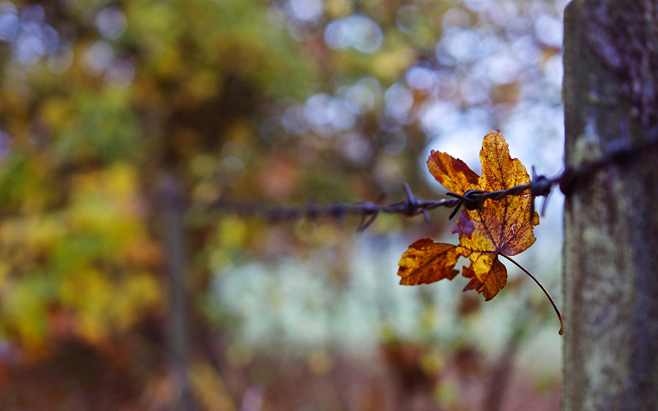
(368, 210)
(619, 152)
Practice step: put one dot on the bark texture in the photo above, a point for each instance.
(610, 274)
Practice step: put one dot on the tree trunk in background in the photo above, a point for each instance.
(175, 241)
(611, 222)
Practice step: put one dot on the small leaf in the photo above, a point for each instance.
(451, 172)
(426, 262)
(494, 281)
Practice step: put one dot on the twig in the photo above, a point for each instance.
(557, 311)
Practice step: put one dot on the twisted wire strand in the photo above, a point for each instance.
(619, 152)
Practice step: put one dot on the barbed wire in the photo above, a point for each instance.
(618, 152)
(368, 210)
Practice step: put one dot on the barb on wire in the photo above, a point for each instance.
(369, 211)
(540, 186)
(619, 152)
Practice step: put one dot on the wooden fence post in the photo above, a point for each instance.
(610, 273)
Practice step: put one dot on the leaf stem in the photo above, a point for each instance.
(557, 311)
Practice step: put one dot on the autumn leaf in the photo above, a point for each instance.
(495, 228)
(452, 173)
(426, 262)
(497, 278)
(498, 227)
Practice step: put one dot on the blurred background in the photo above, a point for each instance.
(122, 123)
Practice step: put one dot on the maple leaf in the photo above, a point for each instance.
(426, 262)
(497, 227)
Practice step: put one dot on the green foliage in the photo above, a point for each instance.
(98, 126)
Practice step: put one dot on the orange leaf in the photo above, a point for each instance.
(451, 172)
(502, 226)
(492, 282)
(497, 227)
(426, 262)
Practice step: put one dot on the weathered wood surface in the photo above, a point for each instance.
(610, 274)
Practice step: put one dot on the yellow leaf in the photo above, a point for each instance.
(497, 227)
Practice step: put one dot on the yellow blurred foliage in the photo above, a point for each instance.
(432, 363)
(232, 233)
(446, 392)
(209, 388)
(25, 312)
(71, 259)
(339, 8)
(55, 112)
(387, 65)
(203, 85)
